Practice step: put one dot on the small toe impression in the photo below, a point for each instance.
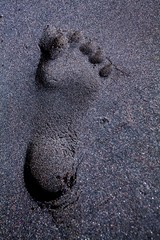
(97, 57)
(59, 42)
(106, 70)
(75, 37)
(87, 48)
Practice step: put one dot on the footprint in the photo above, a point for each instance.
(68, 79)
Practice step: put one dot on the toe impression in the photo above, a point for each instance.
(106, 70)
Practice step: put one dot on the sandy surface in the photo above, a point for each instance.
(120, 175)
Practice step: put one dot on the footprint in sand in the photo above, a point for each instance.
(68, 79)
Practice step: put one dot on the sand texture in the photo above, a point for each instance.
(94, 94)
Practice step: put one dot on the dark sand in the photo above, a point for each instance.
(120, 175)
